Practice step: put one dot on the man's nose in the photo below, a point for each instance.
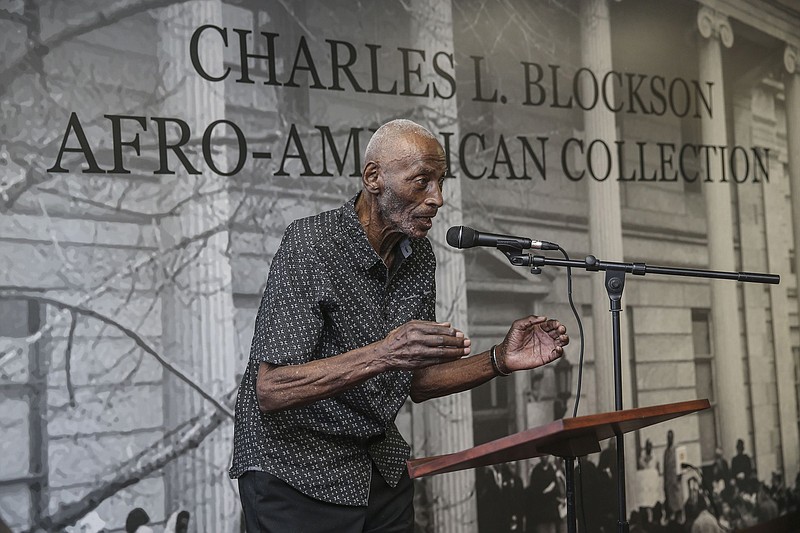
(435, 196)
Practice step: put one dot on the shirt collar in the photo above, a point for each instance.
(353, 231)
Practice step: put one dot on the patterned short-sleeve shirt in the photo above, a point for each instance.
(328, 292)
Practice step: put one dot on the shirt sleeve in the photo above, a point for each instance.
(289, 321)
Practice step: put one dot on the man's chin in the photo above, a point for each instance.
(419, 231)
(425, 224)
(416, 234)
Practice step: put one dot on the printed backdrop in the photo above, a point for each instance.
(153, 151)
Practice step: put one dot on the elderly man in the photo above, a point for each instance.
(345, 333)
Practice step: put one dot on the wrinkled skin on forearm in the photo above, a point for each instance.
(433, 351)
(414, 345)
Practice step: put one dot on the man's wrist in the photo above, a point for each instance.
(496, 364)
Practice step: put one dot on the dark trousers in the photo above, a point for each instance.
(272, 506)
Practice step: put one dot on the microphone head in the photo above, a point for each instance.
(452, 236)
(461, 237)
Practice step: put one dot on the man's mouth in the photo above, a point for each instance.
(426, 220)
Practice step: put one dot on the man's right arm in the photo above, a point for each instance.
(291, 386)
(416, 344)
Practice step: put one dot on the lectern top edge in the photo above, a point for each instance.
(568, 437)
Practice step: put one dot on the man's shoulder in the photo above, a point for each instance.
(307, 232)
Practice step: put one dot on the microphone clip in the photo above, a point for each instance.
(517, 258)
(515, 255)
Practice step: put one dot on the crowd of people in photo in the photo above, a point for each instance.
(505, 504)
(721, 497)
(718, 497)
(137, 521)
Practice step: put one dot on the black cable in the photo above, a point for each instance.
(580, 331)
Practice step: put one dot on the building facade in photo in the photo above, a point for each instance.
(152, 154)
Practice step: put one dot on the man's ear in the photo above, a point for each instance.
(371, 178)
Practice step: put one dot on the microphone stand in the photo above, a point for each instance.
(615, 284)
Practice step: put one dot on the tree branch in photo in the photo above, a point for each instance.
(5, 14)
(68, 357)
(93, 20)
(35, 170)
(130, 334)
(103, 286)
(150, 461)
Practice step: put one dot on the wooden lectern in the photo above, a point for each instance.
(568, 438)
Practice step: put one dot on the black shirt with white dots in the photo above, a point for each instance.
(328, 292)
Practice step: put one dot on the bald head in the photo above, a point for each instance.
(402, 181)
(389, 136)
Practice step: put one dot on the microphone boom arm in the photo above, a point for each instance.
(592, 264)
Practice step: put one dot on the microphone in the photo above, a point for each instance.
(464, 237)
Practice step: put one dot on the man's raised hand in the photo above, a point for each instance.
(418, 344)
(531, 342)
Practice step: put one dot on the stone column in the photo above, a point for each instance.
(605, 228)
(784, 367)
(605, 220)
(725, 322)
(448, 420)
(197, 304)
(763, 247)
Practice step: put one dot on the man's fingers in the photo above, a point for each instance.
(445, 340)
(450, 353)
(432, 328)
(440, 334)
(553, 325)
(531, 320)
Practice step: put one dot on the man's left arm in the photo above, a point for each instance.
(531, 342)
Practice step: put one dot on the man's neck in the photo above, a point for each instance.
(380, 236)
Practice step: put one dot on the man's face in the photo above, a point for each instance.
(412, 192)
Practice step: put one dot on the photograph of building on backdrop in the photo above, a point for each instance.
(154, 152)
